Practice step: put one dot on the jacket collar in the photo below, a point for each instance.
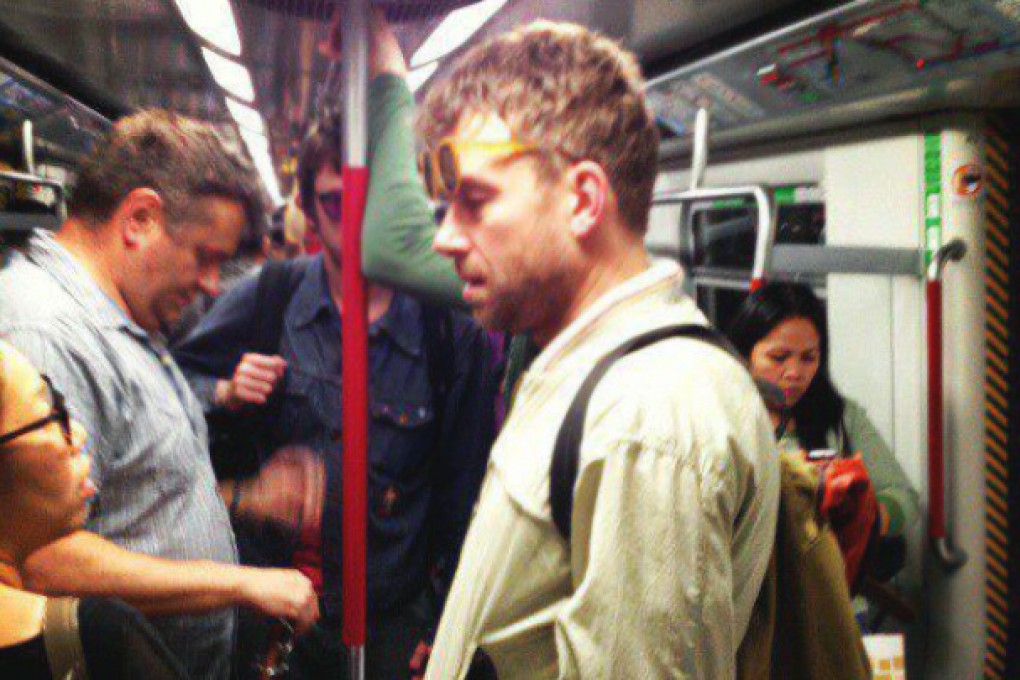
(313, 301)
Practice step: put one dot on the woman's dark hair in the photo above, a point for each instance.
(821, 408)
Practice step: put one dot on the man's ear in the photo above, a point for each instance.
(590, 191)
(139, 216)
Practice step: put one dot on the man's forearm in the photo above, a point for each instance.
(84, 564)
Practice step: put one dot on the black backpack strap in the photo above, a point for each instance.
(567, 450)
(437, 324)
(276, 285)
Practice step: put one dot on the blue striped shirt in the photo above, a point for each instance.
(150, 459)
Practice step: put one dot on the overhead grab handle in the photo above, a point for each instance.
(699, 158)
(28, 146)
(951, 558)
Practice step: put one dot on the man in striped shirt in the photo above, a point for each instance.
(157, 208)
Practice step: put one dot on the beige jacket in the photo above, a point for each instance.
(674, 511)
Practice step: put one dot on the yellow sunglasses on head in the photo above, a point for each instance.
(440, 167)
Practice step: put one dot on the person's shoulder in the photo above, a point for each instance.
(678, 368)
(686, 391)
(854, 413)
(29, 295)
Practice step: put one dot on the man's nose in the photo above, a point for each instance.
(449, 240)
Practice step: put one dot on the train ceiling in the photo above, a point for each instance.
(118, 55)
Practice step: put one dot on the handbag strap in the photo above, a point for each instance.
(62, 639)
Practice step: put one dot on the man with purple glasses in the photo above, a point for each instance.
(431, 395)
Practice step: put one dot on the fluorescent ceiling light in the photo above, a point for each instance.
(213, 21)
(246, 117)
(418, 76)
(231, 76)
(455, 30)
(258, 147)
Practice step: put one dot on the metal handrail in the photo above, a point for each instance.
(766, 207)
(937, 533)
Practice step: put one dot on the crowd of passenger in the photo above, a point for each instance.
(170, 407)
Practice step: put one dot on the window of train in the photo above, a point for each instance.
(722, 236)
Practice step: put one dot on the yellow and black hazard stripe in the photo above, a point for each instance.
(1001, 211)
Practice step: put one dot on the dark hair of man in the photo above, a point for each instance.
(181, 159)
(819, 411)
(564, 89)
(321, 146)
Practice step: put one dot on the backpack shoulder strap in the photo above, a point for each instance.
(276, 285)
(62, 639)
(567, 450)
(437, 323)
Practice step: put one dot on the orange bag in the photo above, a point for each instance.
(847, 501)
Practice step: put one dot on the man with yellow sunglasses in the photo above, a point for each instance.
(541, 145)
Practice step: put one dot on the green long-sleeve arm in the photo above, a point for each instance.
(399, 222)
(891, 484)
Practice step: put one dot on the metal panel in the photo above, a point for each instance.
(798, 259)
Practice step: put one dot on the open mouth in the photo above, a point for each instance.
(473, 285)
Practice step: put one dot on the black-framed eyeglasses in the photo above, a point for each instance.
(59, 415)
(332, 203)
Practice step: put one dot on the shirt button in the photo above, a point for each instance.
(389, 501)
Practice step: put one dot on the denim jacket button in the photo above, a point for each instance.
(389, 501)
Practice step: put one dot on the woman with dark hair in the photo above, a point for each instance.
(44, 493)
(781, 330)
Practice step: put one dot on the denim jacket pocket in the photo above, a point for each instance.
(402, 438)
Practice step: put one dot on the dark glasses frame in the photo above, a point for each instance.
(59, 415)
(332, 203)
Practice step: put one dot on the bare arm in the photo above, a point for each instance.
(84, 564)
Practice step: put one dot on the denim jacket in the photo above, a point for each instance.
(424, 475)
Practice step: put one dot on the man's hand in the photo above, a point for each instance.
(288, 490)
(284, 593)
(254, 379)
(384, 53)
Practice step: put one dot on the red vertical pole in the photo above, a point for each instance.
(354, 316)
(355, 408)
(936, 468)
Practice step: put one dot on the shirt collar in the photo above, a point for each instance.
(662, 277)
(402, 322)
(45, 252)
